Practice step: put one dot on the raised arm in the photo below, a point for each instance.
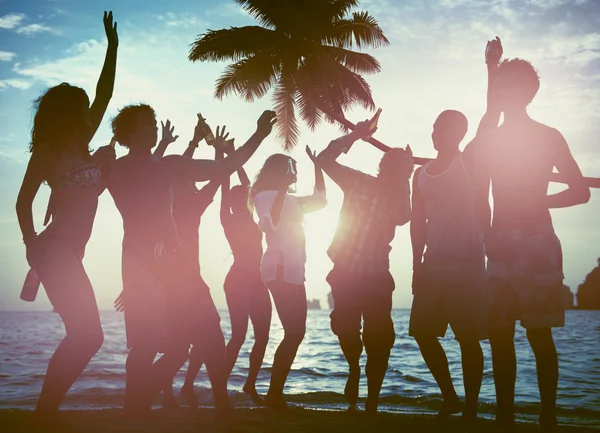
(578, 191)
(207, 193)
(418, 231)
(200, 170)
(34, 176)
(106, 82)
(318, 199)
(327, 159)
(493, 53)
(167, 138)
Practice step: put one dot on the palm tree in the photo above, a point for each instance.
(302, 49)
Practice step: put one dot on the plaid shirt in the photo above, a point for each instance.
(367, 222)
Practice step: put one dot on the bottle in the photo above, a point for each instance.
(374, 121)
(210, 138)
(30, 286)
(291, 171)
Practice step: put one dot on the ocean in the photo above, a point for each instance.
(27, 340)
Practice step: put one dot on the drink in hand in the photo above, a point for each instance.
(30, 286)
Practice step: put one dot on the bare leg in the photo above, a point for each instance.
(239, 310)
(195, 364)
(290, 301)
(472, 363)
(138, 368)
(260, 314)
(168, 397)
(504, 363)
(72, 296)
(546, 361)
(166, 367)
(437, 362)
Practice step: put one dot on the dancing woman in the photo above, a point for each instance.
(63, 127)
(282, 269)
(246, 294)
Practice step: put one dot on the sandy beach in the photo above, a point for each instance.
(259, 420)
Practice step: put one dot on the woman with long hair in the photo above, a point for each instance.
(63, 127)
(246, 294)
(282, 269)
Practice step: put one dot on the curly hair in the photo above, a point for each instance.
(527, 76)
(61, 113)
(125, 123)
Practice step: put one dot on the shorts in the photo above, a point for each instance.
(450, 294)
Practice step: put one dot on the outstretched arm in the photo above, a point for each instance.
(199, 170)
(318, 200)
(106, 82)
(167, 138)
(207, 193)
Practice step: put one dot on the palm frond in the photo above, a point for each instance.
(233, 44)
(286, 126)
(250, 78)
(308, 110)
(362, 29)
(360, 63)
(269, 13)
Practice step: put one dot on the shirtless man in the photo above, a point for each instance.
(524, 254)
(168, 305)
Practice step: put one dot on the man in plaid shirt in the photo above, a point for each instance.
(361, 283)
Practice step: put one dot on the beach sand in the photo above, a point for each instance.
(259, 420)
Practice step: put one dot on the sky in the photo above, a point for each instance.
(434, 62)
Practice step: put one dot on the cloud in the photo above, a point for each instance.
(16, 83)
(185, 20)
(11, 21)
(31, 29)
(6, 56)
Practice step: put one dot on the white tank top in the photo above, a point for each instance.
(452, 229)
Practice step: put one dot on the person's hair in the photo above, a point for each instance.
(239, 192)
(61, 113)
(125, 123)
(529, 80)
(456, 125)
(270, 175)
(398, 160)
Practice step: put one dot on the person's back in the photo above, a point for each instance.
(453, 233)
(141, 189)
(522, 157)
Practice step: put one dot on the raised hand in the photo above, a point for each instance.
(493, 51)
(202, 130)
(111, 29)
(312, 155)
(363, 129)
(265, 122)
(221, 141)
(167, 132)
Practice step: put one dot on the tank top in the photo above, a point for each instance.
(453, 233)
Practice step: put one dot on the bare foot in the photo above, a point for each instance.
(255, 396)
(189, 396)
(276, 404)
(169, 402)
(450, 408)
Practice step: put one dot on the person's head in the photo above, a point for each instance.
(395, 166)
(516, 85)
(135, 126)
(238, 200)
(272, 174)
(449, 130)
(62, 121)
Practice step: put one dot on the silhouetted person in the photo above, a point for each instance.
(246, 294)
(449, 279)
(189, 204)
(63, 127)
(283, 264)
(524, 254)
(361, 283)
(168, 305)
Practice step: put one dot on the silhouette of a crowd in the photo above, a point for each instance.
(168, 306)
